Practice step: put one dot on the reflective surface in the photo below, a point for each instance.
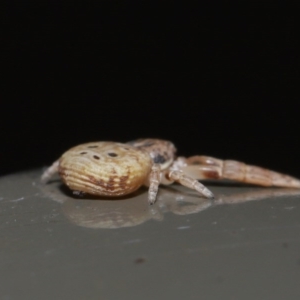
(54, 245)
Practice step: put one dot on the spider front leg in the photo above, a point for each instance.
(154, 181)
(190, 182)
(205, 167)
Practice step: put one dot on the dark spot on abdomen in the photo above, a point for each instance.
(112, 154)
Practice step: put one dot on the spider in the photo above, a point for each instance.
(116, 169)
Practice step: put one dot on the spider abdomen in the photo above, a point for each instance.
(105, 168)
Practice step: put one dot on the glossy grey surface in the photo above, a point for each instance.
(54, 246)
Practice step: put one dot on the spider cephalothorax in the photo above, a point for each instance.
(116, 169)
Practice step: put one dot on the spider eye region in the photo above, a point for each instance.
(159, 159)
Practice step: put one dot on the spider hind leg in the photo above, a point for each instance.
(49, 172)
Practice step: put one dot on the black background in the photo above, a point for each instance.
(220, 80)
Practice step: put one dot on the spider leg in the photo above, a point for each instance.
(190, 182)
(205, 167)
(49, 172)
(154, 181)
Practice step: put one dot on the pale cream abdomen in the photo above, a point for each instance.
(105, 168)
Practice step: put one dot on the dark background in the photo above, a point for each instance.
(220, 80)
